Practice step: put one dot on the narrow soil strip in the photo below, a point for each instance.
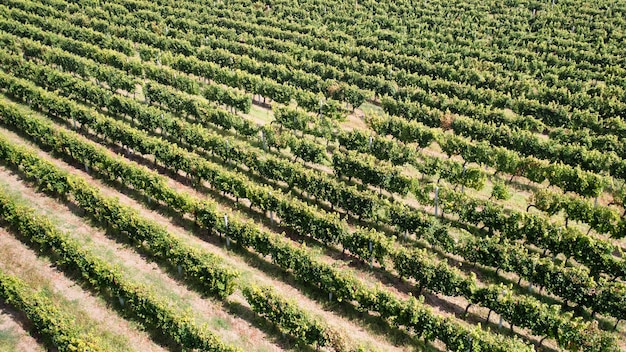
(13, 336)
(91, 313)
(230, 329)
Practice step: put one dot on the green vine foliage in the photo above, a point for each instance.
(442, 275)
(56, 328)
(140, 303)
(290, 319)
(343, 286)
(330, 231)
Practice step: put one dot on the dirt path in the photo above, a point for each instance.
(13, 336)
(135, 267)
(90, 312)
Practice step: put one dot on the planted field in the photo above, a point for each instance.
(359, 176)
